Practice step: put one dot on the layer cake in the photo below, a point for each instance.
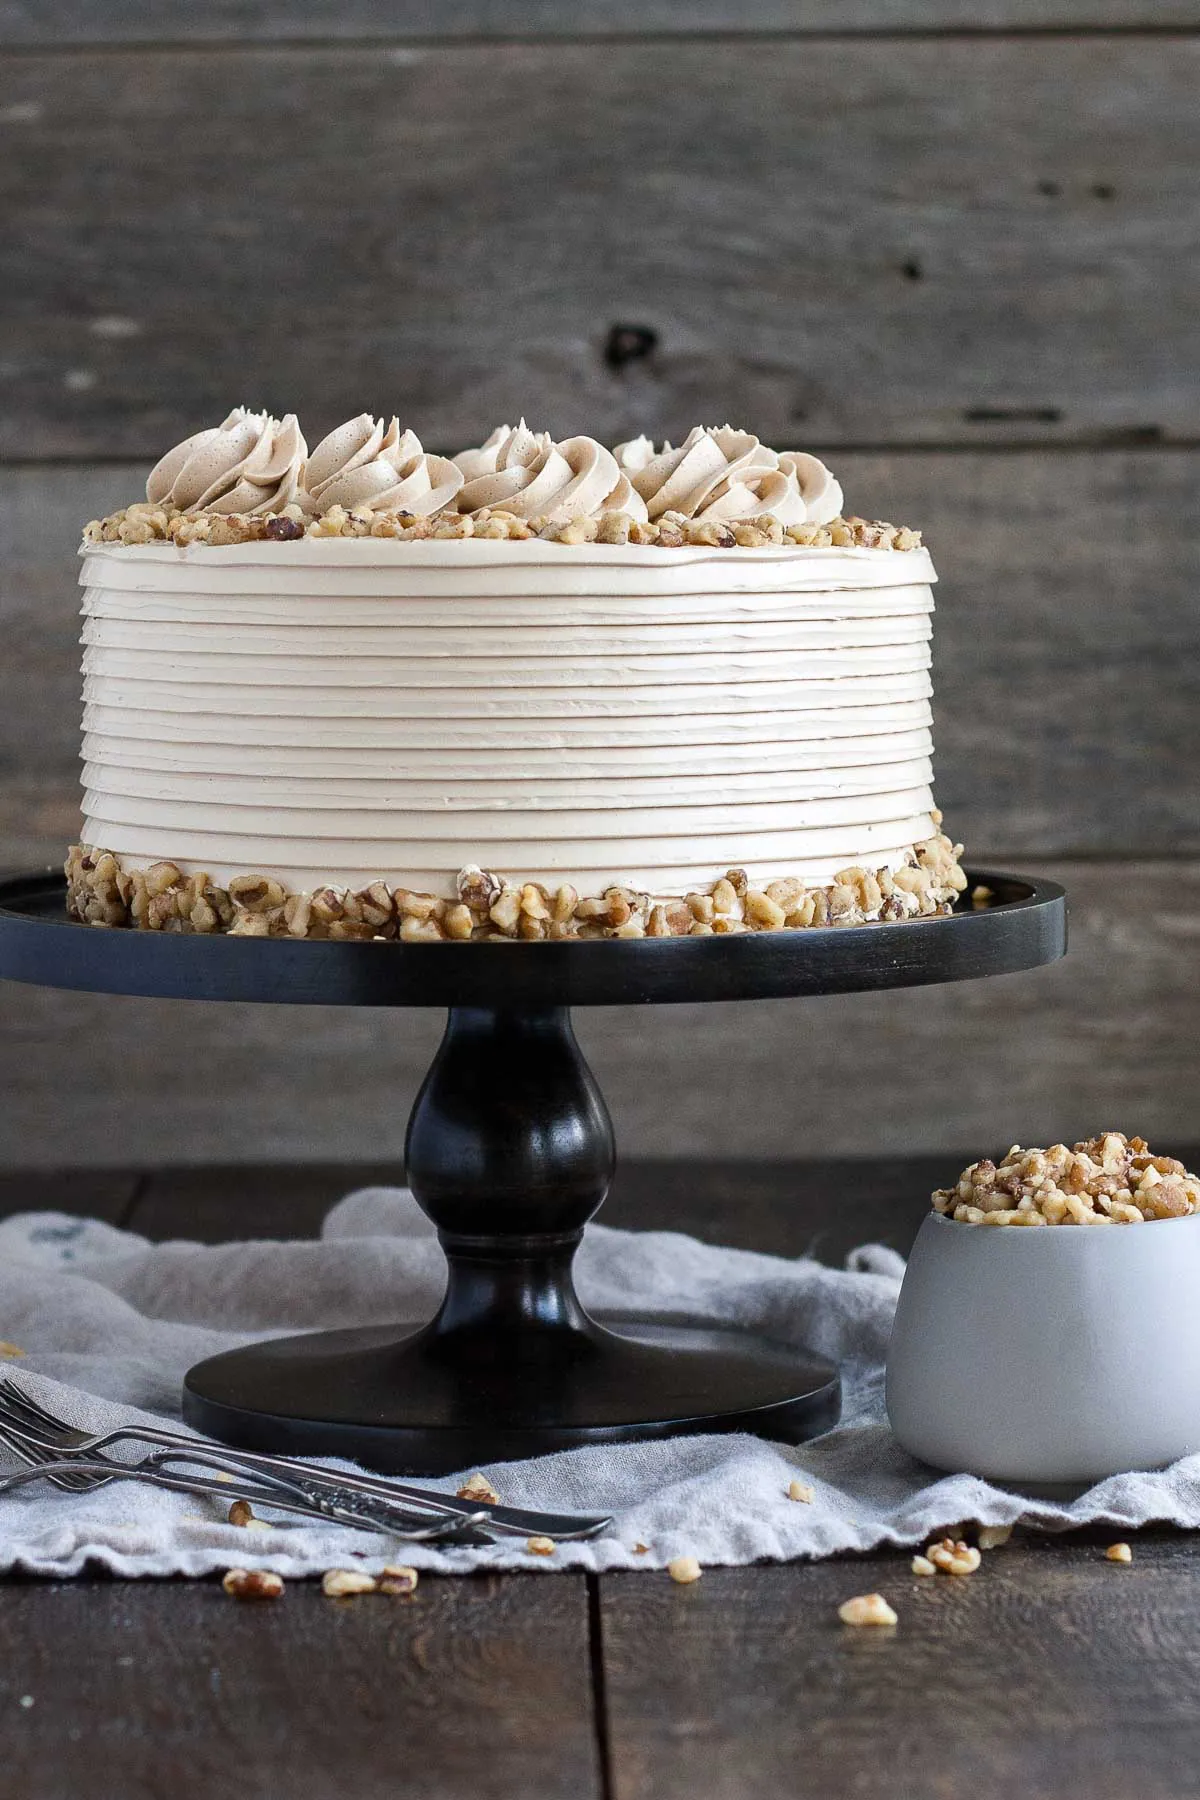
(537, 690)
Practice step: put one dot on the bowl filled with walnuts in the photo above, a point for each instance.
(1044, 1337)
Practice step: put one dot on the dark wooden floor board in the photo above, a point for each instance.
(155, 1689)
(1068, 591)
(46, 22)
(910, 241)
(1051, 1672)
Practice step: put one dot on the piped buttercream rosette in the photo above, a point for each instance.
(527, 474)
(722, 474)
(365, 463)
(249, 463)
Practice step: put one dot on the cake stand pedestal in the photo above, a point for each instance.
(510, 1152)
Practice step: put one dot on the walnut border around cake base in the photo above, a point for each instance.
(161, 897)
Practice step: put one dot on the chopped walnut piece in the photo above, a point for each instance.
(541, 1546)
(921, 1565)
(338, 1583)
(252, 1584)
(954, 1557)
(991, 1537)
(478, 1487)
(866, 1609)
(684, 1570)
(398, 1578)
(1119, 1553)
(802, 1491)
(241, 1512)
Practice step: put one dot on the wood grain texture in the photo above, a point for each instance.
(45, 22)
(157, 1688)
(1067, 594)
(1050, 1672)
(1104, 1039)
(917, 241)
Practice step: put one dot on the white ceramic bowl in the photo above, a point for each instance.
(1050, 1354)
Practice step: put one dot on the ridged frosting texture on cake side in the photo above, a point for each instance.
(333, 711)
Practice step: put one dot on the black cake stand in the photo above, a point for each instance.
(510, 1152)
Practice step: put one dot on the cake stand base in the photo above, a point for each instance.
(509, 1154)
(399, 1404)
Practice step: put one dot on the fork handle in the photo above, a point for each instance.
(389, 1524)
(309, 1479)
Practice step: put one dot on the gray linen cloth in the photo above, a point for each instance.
(109, 1322)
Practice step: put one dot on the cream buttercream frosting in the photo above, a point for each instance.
(333, 710)
(254, 465)
(365, 463)
(584, 672)
(723, 474)
(249, 463)
(527, 474)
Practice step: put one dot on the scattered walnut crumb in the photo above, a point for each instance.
(1106, 1180)
(684, 1569)
(10, 1352)
(866, 1609)
(337, 1583)
(641, 1549)
(990, 1537)
(241, 1513)
(1120, 1553)
(954, 1557)
(478, 1487)
(541, 1546)
(252, 1584)
(398, 1578)
(921, 1565)
(802, 1491)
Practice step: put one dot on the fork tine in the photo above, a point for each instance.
(14, 1411)
(43, 1456)
(23, 1408)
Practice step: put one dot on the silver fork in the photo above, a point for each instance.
(86, 1473)
(19, 1410)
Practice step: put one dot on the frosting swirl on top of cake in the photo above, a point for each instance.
(250, 463)
(721, 474)
(820, 490)
(364, 463)
(254, 465)
(526, 473)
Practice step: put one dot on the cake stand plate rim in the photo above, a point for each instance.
(38, 944)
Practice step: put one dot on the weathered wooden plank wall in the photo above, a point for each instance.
(958, 255)
(38, 22)
(918, 242)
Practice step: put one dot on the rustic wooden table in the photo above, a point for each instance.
(1053, 1673)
